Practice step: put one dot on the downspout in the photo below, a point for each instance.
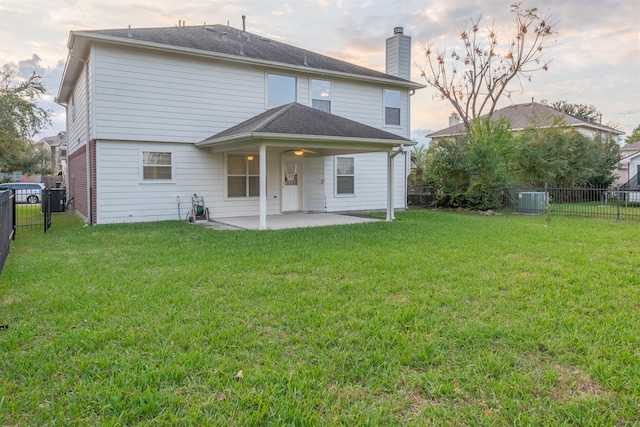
(88, 150)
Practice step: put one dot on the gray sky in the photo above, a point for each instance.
(595, 55)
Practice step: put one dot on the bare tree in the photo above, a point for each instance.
(476, 79)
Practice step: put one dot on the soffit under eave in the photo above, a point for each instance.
(342, 145)
(78, 52)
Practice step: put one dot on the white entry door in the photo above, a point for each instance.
(291, 183)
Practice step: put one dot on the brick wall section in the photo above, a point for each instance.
(92, 162)
(78, 181)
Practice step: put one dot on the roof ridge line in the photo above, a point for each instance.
(271, 118)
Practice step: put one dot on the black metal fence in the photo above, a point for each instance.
(421, 196)
(33, 207)
(7, 224)
(621, 203)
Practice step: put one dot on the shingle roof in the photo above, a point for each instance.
(60, 138)
(631, 147)
(210, 38)
(523, 115)
(298, 119)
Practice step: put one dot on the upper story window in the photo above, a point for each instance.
(243, 175)
(157, 165)
(321, 95)
(391, 107)
(281, 90)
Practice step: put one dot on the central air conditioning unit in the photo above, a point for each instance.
(532, 202)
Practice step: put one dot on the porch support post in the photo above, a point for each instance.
(390, 214)
(263, 187)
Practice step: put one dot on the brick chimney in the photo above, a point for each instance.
(399, 54)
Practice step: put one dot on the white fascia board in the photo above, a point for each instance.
(303, 141)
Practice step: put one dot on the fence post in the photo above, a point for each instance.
(14, 213)
(618, 202)
(44, 206)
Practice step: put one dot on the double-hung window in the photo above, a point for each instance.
(243, 175)
(392, 107)
(157, 165)
(345, 175)
(281, 90)
(321, 95)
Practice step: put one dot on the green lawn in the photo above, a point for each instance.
(436, 319)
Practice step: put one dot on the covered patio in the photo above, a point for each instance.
(285, 221)
(297, 130)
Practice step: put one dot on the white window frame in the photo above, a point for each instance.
(160, 180)
(386, 105)
(327, 98)
(353, 176)
(266, 92)
(256, 158)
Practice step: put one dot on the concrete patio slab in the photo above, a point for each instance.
(288, 220)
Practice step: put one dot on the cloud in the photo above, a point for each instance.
(594, 38)
(25, 68)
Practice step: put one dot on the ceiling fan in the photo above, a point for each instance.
(300, 151)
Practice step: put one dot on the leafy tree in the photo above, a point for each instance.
(565, 157)
(634, 137)
(475, 79)
(418, 161)
(448, 168)
(608, 159)
(588, 113)
(470, 171)
(490, 152)
(20, 120)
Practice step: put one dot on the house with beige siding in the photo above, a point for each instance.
(251, 125)
(530, 114)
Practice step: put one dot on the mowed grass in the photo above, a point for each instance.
(436, 319)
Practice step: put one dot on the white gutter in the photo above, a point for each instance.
(300, 137)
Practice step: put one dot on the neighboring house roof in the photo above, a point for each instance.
(628, 152)
(522, 116)
(55, 140)
(220, 41)
(629, 156)
(631, 147)
(300, 122)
